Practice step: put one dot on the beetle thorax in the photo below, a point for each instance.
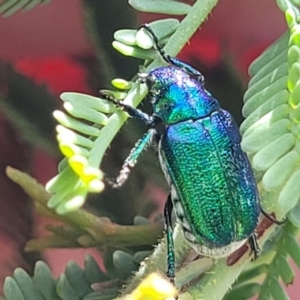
(176, 96)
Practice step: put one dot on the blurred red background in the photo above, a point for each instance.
(40, 44)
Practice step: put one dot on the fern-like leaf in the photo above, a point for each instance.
(169, 7)
(71, 186)
(273, 266)
(9, 7)
(270, 131)
(89, 283)
(75, 283)
(270, 137)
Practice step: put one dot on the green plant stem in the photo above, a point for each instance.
(198, 13)
(187, 27)
(101, 230)
(49, 242)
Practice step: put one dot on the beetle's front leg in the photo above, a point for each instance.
(150, 137)
(132, 111)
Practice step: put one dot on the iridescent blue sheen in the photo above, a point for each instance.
(177, 96)
(214, 191)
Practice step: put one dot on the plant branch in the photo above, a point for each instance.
(102, 231)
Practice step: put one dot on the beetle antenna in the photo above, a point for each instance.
(173, 60)
(160, 50)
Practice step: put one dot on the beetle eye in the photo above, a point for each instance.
(152, 99)
(201, 80)
(150, 81)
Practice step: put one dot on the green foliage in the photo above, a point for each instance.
(81, 228)
(270, 126)
(270, 131)
(81, 176)
(162, 7)
(74, 284)
(9, 7)
(270, 137)
(270, 268)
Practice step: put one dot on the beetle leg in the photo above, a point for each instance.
(170, 244)
(272, 219)
(142, 144)
(254, 246)
(132, 111)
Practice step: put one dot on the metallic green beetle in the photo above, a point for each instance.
(212, 187)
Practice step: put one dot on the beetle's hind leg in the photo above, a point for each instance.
(252, 240)
(150, 137)
(272, 219)
(170, 244)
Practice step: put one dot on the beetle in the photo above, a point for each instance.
(212, 186)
